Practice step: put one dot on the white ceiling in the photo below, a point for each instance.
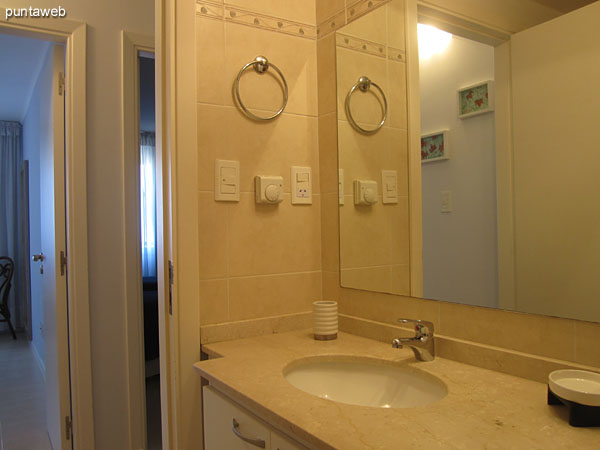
(20, 63)
(565, 6)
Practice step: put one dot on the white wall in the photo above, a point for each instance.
(105, 20)
(31, 151)
(556, 106)
(459, 248)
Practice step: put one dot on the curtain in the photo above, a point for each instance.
(148, 202)
(10, 161)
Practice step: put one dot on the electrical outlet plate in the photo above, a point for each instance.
(301, 185)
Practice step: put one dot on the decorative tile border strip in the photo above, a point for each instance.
(330, 25)
(256, 20)
(396, 54)
(209, 10)
(347, 15)
(369, 47)
(361, 45)
(361, 7)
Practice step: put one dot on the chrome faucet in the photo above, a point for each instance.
(421, 343)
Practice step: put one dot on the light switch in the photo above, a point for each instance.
(301, 185)
(389, 181)
(341, 186)
(447, 201)
(302, 177)
(227, 180)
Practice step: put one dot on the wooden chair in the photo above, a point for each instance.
(7, 267)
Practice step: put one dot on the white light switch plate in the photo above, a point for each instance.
(447, 201)
(227, 181)
(301, 185)
(389, 186)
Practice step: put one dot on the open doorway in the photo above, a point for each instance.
(147, 149)
(458, 173)
(35, 411)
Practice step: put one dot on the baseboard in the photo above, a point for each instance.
(511, 362)
(39, 361)
(230, 331)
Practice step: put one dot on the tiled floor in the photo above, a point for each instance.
(22, 398)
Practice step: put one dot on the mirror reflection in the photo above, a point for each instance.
(507, 163)
(372, 142)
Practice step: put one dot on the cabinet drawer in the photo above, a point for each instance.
(220, 414)
(280, 442)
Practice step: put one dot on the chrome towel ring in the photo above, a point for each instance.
(364, 84)
(261, 65)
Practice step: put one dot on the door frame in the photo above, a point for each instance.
(24, 244)
(131, 45)
(420, 11)
(177, 219)
(73, 35)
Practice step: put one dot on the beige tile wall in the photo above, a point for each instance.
(333, 14)
(374, 240)
(551, 337)
(306, 134)
(257, 261)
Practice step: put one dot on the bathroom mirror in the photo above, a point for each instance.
(509, 154)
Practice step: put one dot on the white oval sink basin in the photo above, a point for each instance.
(365, 382)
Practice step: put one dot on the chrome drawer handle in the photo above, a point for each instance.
(256, 442)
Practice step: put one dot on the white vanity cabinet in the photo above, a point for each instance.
(280, 442)
(220, 432)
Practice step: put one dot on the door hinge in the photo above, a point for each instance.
(63, 262)
(171, 281)
(68, 428)
(61, 83)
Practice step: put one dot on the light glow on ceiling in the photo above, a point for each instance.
(432, 40)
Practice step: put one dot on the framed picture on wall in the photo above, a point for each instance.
(435, 147)
(476, 99)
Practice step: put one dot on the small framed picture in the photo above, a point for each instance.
(434, 146)
(476, 99)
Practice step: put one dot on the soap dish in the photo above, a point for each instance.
(579, 390)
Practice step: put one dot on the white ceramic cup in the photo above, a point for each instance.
(325, 320)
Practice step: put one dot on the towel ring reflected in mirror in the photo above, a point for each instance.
(364, 85)
(261, 65)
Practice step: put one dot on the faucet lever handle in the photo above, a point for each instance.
(423, 328)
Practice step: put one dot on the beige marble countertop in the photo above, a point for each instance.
(483, 409)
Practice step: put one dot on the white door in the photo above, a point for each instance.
(52, 214)
(555, 71)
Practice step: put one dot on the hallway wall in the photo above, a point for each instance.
(105, 186)
(31, 151)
